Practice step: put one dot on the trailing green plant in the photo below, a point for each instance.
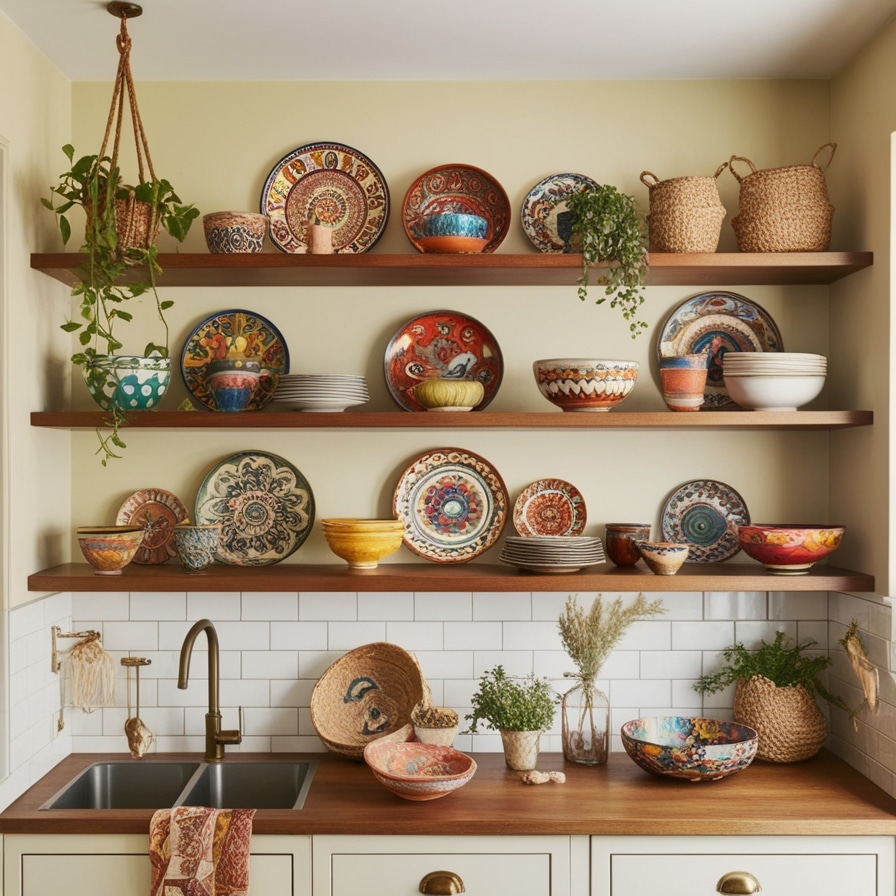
(609, 229)
(505, 703)
(783, 663)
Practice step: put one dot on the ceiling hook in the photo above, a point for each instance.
(123, 10)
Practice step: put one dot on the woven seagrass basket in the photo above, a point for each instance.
(686, 213)
(784, 209)
(366, 694)
(790, 725)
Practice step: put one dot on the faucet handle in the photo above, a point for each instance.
(240, 727)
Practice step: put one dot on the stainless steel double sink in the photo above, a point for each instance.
(159, 784)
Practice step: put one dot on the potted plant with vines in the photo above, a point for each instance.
(608, 228)
(519, 709)
(589, 637)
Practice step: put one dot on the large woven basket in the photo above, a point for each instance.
(366, 694)
(686, 213)
(784, 209)
(790, 724)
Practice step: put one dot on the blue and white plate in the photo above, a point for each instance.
(544, 213)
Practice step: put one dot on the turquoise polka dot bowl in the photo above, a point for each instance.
(128, 382)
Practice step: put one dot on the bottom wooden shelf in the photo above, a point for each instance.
(726, 576)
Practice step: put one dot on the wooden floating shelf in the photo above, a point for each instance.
(728, 576)
(496, 269)
(737, 420)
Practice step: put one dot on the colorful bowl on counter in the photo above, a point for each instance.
(417, 771)
(789, 549)
(584, 384)
(109, 549)
(687, 747)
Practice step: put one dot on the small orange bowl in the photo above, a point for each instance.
(417, 771)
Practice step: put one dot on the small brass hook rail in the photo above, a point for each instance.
(57, 633)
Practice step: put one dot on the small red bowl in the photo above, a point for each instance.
(789, 549)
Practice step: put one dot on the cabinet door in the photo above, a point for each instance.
(783, 866)
(482, 866)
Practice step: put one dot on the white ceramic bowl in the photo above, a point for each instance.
(775, 392)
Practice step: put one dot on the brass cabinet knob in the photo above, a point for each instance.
(738, 883)
(442, 883)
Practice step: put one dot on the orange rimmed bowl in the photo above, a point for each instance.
(418, 771)
(789, 549)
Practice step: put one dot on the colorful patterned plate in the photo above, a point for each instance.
(326, 183)
(228, 332)
(705, 515)
(444, 344)
(718, 322)
(158, 512)
(457, 188)
(263, 503)
(549, 507)
(453, 504)
(544, 214)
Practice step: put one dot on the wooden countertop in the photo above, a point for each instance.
(822, 796)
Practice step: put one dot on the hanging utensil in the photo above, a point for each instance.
(139, 737)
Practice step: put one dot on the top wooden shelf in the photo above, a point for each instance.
(535, 269)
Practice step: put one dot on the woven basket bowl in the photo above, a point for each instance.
(366, 694)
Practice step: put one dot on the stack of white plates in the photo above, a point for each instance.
(774, 364)
(773, 381)
(552, 553)
(321, 391)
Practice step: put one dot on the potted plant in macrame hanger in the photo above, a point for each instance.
(122, 223)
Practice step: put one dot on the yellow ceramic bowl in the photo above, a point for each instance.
(362, 547)
(449, 395)
(109, 549)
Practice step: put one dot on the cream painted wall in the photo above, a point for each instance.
(217, 143)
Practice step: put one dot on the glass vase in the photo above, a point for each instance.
(586, 724)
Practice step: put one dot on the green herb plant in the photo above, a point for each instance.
(610, 230)
(505, 703)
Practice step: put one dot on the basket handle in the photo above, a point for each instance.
(734, 159)
(833, 147)
(645, 175)
(720, 169)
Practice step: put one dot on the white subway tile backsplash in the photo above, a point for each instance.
(114, 605)
(216, 606)
(447, 607)
(649, 634)
(473, 636)
(416, 636)
(347, 636)
(751, 633)
(797, 605)
(270, 722)
(158, 606)
(327, 607)
(640, 693)
(671, 664)
(702, 635)
(299, 636)
(277, 606)
(392, 607)
(683, 605)
(131, 636)
(270, 664)
(735, 605)
(490, 606)
(446, 663)
(531, 636)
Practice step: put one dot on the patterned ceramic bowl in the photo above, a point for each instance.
(234, 232)
(196, 545)
(128, 382)
(663, 558)
(583, 384)
(789, 549)
(455, 224)
(695, 749)
(416, 771)
(109, 549)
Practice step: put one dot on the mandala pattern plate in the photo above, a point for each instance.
(457, 188)
(453, 504)
(443, 344)
(263, 503)
(229, 332)
(544, 214)
(549, 507)
(705, 515)
(158, 512)
(717, 323)
(331, 184)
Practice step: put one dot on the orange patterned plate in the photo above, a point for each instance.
(157, 511)
(549, 507)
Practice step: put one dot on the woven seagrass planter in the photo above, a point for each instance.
(791, 726)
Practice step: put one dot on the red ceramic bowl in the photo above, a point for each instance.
(789, 549)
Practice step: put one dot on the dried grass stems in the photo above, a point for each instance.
(589, 636)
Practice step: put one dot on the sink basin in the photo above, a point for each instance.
(270, 784)
(125, 785)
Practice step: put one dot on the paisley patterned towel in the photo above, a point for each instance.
(195, 851)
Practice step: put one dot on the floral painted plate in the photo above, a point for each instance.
(229, 333)
(549, 507)
(158, 512)
(717, 323)
(331, 184)
(263, 503)
(453, 504)
(544, 214)
(705, 515)
(441, 344)
(457, 188)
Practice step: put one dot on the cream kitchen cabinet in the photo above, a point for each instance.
(84, 865)
(782, 866)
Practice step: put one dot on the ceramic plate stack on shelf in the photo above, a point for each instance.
(783, 381)
(553, 553)
(329, 392)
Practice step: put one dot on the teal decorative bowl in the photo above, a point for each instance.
(128, 382)
(455, 224)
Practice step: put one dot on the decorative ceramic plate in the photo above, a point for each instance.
(549, 507)
(717, 323)
(331, 184)
(234, 332)
(544, 214)
(158, 512)
(457, 188)
(444, 344)
(263, 503)
(453, 504)
(705, 515)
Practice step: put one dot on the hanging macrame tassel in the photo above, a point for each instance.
(92, 673)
